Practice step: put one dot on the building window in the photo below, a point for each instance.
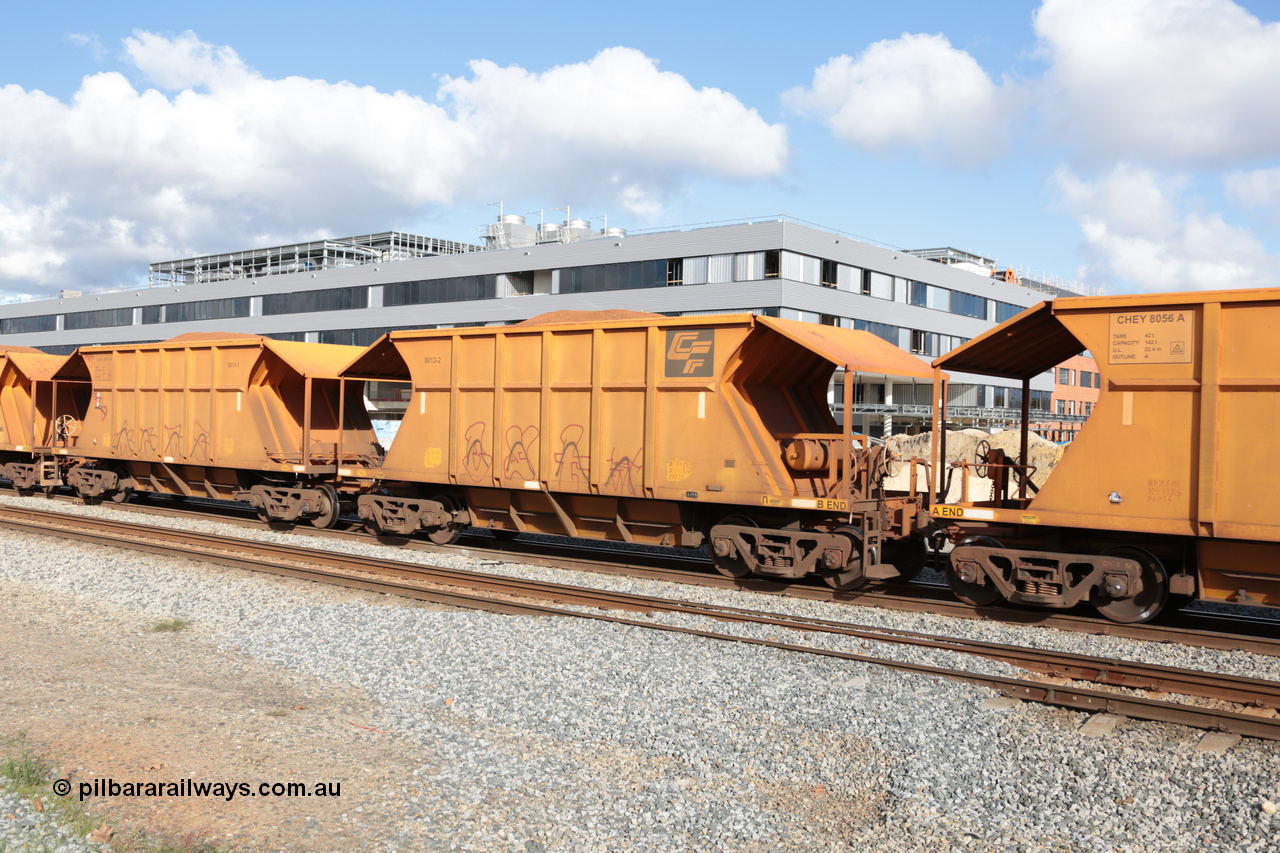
(1064, 376)
(968, 304)
(999, 397)
(461, 289)
(1004, 311)
(606, 277)
(22, 325)
(675, 272)
(99, 319)
(1040, 400)
(828, 320)
(919, 342)
(209, 309)
(830, 273)
(866, 282)
(772, 263)
(352, 337)
(884, 331)
(306, 301)
(918, 293)
(1086, 379)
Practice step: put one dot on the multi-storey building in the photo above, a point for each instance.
(1075, 393)
(353, 290)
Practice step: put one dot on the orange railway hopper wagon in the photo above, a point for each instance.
(222, 416)
(27, 423)
(710, 431)
(1169, 490)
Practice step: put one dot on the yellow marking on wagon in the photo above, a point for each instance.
(963, 512)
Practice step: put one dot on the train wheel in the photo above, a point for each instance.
(1151, 595)
(372, 526)
(122, 492)
(976, 594)
(452, 531)
(908, 556)
(731, 565)
(852, 575)
(327, 516)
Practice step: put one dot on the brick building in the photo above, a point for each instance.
(1075, 392)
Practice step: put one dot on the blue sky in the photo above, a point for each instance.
(1130, 145)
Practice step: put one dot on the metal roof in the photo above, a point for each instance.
(1019, 348)
(321, 361)
(862, 352)
(33, 363)
(1036, 340)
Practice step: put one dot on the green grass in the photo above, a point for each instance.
(23, 768)
(175, 624)
(30, 774)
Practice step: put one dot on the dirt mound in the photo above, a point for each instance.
(587, 317)
(963, 445)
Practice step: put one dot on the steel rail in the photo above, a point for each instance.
(300, 563)
(1263, 638)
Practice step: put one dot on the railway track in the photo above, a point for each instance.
(1233, 632)
(508, 595)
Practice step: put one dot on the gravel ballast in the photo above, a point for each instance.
(558, 734)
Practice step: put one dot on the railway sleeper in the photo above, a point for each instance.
(791, 554)
(403, 516)
(287, 503)
(1047, 579)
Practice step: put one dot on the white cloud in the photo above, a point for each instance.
(1172, 82)
(617, 108)
(91, 42)
(916, 92)
(230, 159)
(1138, 237)
(185, 62)
(1254, 188)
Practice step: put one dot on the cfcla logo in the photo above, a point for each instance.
(690, 352)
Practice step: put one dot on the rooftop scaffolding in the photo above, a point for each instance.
(304, 257)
